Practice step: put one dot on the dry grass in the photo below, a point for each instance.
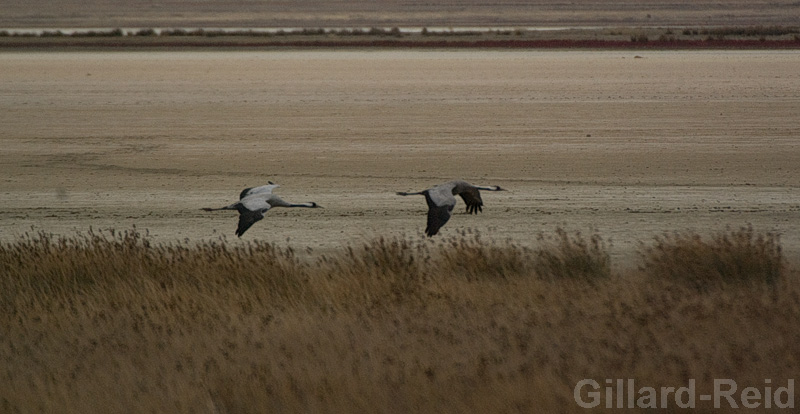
(108, 322)
(740, 256)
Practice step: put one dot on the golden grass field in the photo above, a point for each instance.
(109, 322)
(348, 308)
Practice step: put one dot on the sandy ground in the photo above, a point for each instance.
(368, 13)
(628, 144)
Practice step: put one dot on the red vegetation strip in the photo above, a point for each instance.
(437, 44)
(555, 44)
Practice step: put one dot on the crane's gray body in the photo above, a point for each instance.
(441, 201)
(254, 202)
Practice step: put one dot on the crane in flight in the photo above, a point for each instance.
(254, 202)
(441, 201)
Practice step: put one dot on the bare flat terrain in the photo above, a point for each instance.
(627, 145)
(343, 13)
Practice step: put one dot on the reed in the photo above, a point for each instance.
(111, 322)
(738, 256)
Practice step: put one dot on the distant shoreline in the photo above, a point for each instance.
(634, 38)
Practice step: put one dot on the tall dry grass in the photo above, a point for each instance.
(110, 322)
(739, 256)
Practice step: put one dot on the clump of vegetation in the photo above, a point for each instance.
(44, 268)
(731, 257)
(380, 271)
(145, 32)
(49, 33)
(468, 256)
(572, 257)
(100, 33)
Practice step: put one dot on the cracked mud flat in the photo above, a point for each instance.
(626, 146)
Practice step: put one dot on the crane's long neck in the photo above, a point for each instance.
(490, 188)
(306, 205)
(230, 207)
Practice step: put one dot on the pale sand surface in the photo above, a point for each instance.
(630, 147)
(368, 13)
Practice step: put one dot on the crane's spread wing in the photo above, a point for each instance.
(257, 202)
(246, 219)
(437, 217)
(440, 196)
(440, 204)
(472, 198)
(264, 189)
